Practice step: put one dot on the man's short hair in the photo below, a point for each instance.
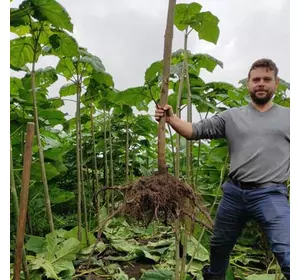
(264, 63)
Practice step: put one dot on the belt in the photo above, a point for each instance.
(252, 185)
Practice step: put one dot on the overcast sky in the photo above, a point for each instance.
(128, 35)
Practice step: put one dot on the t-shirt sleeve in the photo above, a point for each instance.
(211, 128)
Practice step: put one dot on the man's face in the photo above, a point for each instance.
(262, 85)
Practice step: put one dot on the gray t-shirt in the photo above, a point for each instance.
(259, 143)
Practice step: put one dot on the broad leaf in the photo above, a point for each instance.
(63, 44)
(66, 67)
(157, 275)
(52, 11)
(35, 244)
(184, 14)
(15, 86)
(46, 265)
(261, 277)
(201, 252)
(94, 61)
(51, 171)
(74, 233)
(52, 116)
(68, 89)
(21, 51)
(206, 24)
(103, 78)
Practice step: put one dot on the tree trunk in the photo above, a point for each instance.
(111, 172)
(83, 192)
(95, 167)
(40, 149)
(78, 162)
(127, 152)
(19, 257)
(162, 166)
(107, 193)
(189, 143)
(16, 206)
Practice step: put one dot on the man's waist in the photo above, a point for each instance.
(253, 185)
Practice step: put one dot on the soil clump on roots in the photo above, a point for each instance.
(163, 197)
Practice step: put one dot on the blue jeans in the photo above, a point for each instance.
(267, 205)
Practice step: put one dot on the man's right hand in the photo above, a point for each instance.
(165, 111)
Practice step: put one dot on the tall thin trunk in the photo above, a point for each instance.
(178, 113)
(40, 146)
(83, 193)
(189, 113)
(177, 250)
(162, 166)
(78, 162)
(19, 251)
(127, 152)
(17, 211)
(107, 193)
(111, 172)
(95, 167)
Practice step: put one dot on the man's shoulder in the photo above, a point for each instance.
(235, 110)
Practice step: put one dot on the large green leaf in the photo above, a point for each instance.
(15, 86)
(74, 233)
(68, 89)
(52, 116)
(52, 11)
(136, 96)
(35, 244)
(40, 263)
(19, 17)
(66, 67)
(184, 14)
(103, 78)
(94, 61)
(205, 61)
(153, 71)
(51, 171)
(63, 44)
(157, 275)
(201, 252)
(261, 277)
(206, 24)
(21, 51)
(67, 251)
(43, 78)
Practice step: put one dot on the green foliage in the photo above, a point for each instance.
(205, 23)
(54, 255)
(157, 275)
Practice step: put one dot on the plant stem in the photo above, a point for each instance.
(162, 166)
(111, 160)
(78, 148)
(177, 242)
(107, 193)
(189, 144)
(16, 206)
(39, 142)
(127, 151)
(178, 113)
(23, 201)
(83, 194)
(95, 166)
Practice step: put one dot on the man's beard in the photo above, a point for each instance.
(261, 100)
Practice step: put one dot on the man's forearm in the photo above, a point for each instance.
(182, 127)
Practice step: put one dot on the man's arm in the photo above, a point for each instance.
(210, 128)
